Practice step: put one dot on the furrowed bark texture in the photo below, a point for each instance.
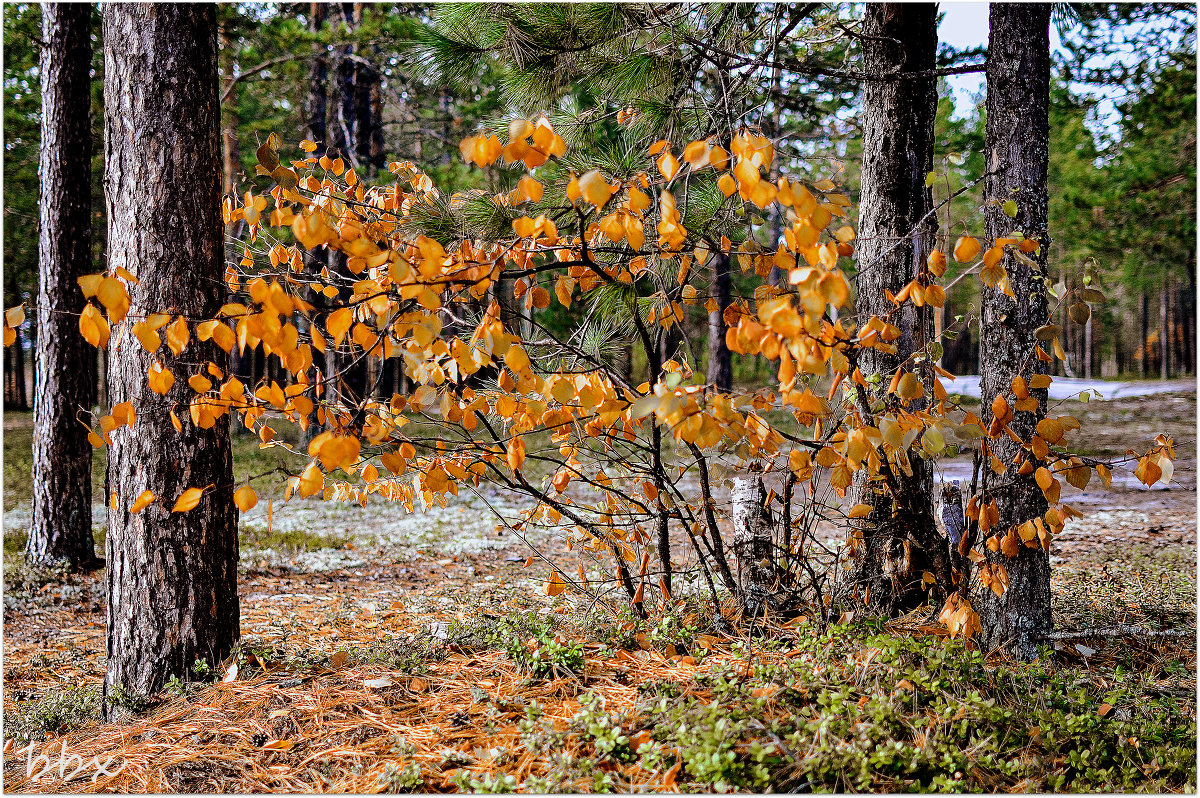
(62, 457)
(172, 577)
(1017, 135)
(893, 243)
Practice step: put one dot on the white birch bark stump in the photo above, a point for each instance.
(752, 543)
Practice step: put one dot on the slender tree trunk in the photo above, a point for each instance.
(368, 104)
(1087, 347)
(1188, 310)
(1164, 331)
(896, 234)
(62, 457)
(20, 397)
(1017, 143)
(1144, 344)
(720, 359)
(317, 76)
(231, 158)
(172, 577)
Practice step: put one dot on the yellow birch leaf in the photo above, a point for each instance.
(245, 498)
(177, 336)
(188, 500)
(160, 379)
(144, 499)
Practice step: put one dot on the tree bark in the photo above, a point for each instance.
(368, 104)
(753, 545)
(1144, 344)
(172, 577)
(62, 457)
(231, 161)
(1087, 347)
(1017, 144)
(720, 359)
(1164, 331)
(316, 106)
(896, 234)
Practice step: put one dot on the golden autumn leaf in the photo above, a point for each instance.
(555, 585)
(177, 336)
(966, 249)
(93, 327)
(337, 324)
(936, 261)
(112, 295)
(668, 164)
(727, 184)
(160, 379)
(515, 453)
(144, 500)
(188, 500)
(311, 480)
(245, 498)
(594, 188)
(124, 414)
(860, 511)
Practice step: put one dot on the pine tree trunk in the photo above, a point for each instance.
(1144, 344)
(1017, 143)
(1164, 332)
(20, 396)
(896, 234)
(1087, 347)
(317, 71)
(62, 457)
(720, 359)
(1187, 305)
(368, 129)
(231, 158)
(172, 577)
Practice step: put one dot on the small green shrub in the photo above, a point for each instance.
(56, 712)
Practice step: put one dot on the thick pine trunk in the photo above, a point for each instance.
(720, 359)
(896, 233)
(172, 577)
(1017, 136)
(62, 457)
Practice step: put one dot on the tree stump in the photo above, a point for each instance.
(753, 544)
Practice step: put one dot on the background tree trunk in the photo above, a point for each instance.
(1164, 330)
(720, 359)
(172, 577)
(1144, 344)
(1017, 136)
(893, 243)
(317, 75)
(62, 457)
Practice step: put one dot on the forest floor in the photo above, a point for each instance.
(389, 652)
